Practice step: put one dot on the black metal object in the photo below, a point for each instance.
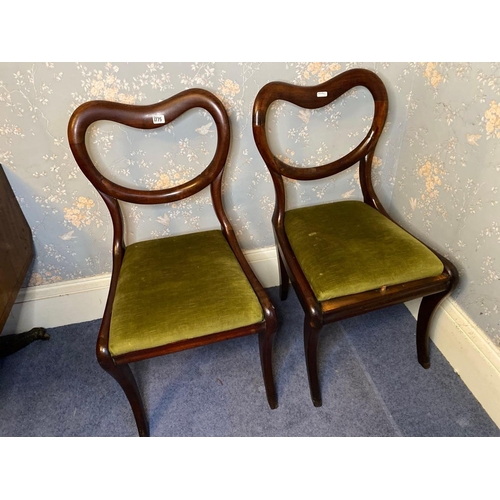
(9, 344)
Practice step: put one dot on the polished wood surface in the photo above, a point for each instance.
(142, 117)
(319, 313)
(16, 248)
(16, 255)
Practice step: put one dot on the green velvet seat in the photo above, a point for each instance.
(179, 288)
(348, 247)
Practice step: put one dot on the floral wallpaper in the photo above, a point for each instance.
(436, 170)
(448, 177)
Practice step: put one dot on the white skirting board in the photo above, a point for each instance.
(469, 351)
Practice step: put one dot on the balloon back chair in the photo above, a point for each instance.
(176, 292)
(346, 258)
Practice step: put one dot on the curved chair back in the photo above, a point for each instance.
(151, 117)
(147, 117)
(314, 97)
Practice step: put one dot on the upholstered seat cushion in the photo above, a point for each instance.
(348, 247)
(178, 288)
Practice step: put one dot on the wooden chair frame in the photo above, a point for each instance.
(318, 313)
(142, 117)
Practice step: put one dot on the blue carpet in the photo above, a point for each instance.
(372, 385)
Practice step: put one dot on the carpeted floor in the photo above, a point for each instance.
(372, 385)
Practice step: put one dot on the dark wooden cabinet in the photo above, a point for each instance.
(16, 255)
(16, 248)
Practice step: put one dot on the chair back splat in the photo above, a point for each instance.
(176, 292)
(346, 257)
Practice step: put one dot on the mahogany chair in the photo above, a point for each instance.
(346, 258)
(178, 292)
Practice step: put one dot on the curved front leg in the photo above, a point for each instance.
(123, 375)
(311, 337)
(266, 340)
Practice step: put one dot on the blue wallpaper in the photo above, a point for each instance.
(437, 167)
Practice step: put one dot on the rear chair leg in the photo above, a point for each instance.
(284, 279)
(426, 310)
